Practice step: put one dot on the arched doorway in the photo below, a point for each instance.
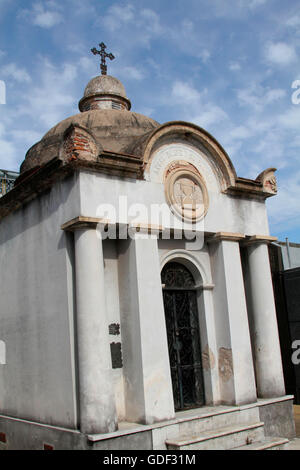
(181, 312)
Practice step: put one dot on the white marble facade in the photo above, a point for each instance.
(70, 296)
(239, 336)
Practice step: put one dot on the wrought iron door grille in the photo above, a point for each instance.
(181, 312)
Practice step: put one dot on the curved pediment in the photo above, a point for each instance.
(194, 144)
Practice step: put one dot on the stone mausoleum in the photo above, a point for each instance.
(120, 330)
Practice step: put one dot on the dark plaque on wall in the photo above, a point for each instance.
(114, 329)
(116, 355)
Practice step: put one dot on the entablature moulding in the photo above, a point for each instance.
(83, 222)
(40, 179)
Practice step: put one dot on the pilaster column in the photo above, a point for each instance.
(210, 353)
(96, 397)
(148, 385)
(236, 371)
(265, 337)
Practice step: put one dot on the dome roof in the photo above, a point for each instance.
(104, 84)
(105, 114)
(115, 130)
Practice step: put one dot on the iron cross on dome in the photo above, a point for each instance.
(103, 55)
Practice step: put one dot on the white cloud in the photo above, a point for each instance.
(118, 15)
(16, 73)
(290, 119)
(83, 7)
(271, 149)
(194, 106)
(50, 98)
(258, 97)
(284, 209)
(139, 25)
(240, 132)
(27, 136)
(8, 155)
(151, 21)
(234, 8)
(87, 63)
(128, 72)
(293, 21)
(256, 3)
(145, 20)
(234, 66)
(145, 111)
(189, 39)
(183, 92)
(45, 15)
(133, 73)
(211, 115)
(274, 95)
(204, 55)
(247, 96)
(2, 129)
(280, 53)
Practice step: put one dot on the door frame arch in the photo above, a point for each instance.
(206, 320)
(191, 262)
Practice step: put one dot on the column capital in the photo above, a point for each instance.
(226, 236)
(259, 239)
(82, 222)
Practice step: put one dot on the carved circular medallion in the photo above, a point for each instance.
(186, 194)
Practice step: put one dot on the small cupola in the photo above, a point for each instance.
(104, 92)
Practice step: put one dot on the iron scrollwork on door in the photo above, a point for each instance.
(181, 312)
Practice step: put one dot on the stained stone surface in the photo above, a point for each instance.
(105, 84)
(113, 129)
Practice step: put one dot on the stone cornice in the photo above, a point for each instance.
(259, 239)
(81, 222)
(40, 179)
(92, 222)
(226, 236)
(244, 239)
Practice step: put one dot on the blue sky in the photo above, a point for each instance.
(226, 65)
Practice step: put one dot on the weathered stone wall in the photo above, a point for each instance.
(36, 310)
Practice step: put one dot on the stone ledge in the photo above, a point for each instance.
(182, 417)
(82, 222)
(226, 236)
(42, 425)
(271, 401)
(260, 239)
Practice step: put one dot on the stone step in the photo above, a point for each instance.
(270, 443)
(219, 439)
(211, 418)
